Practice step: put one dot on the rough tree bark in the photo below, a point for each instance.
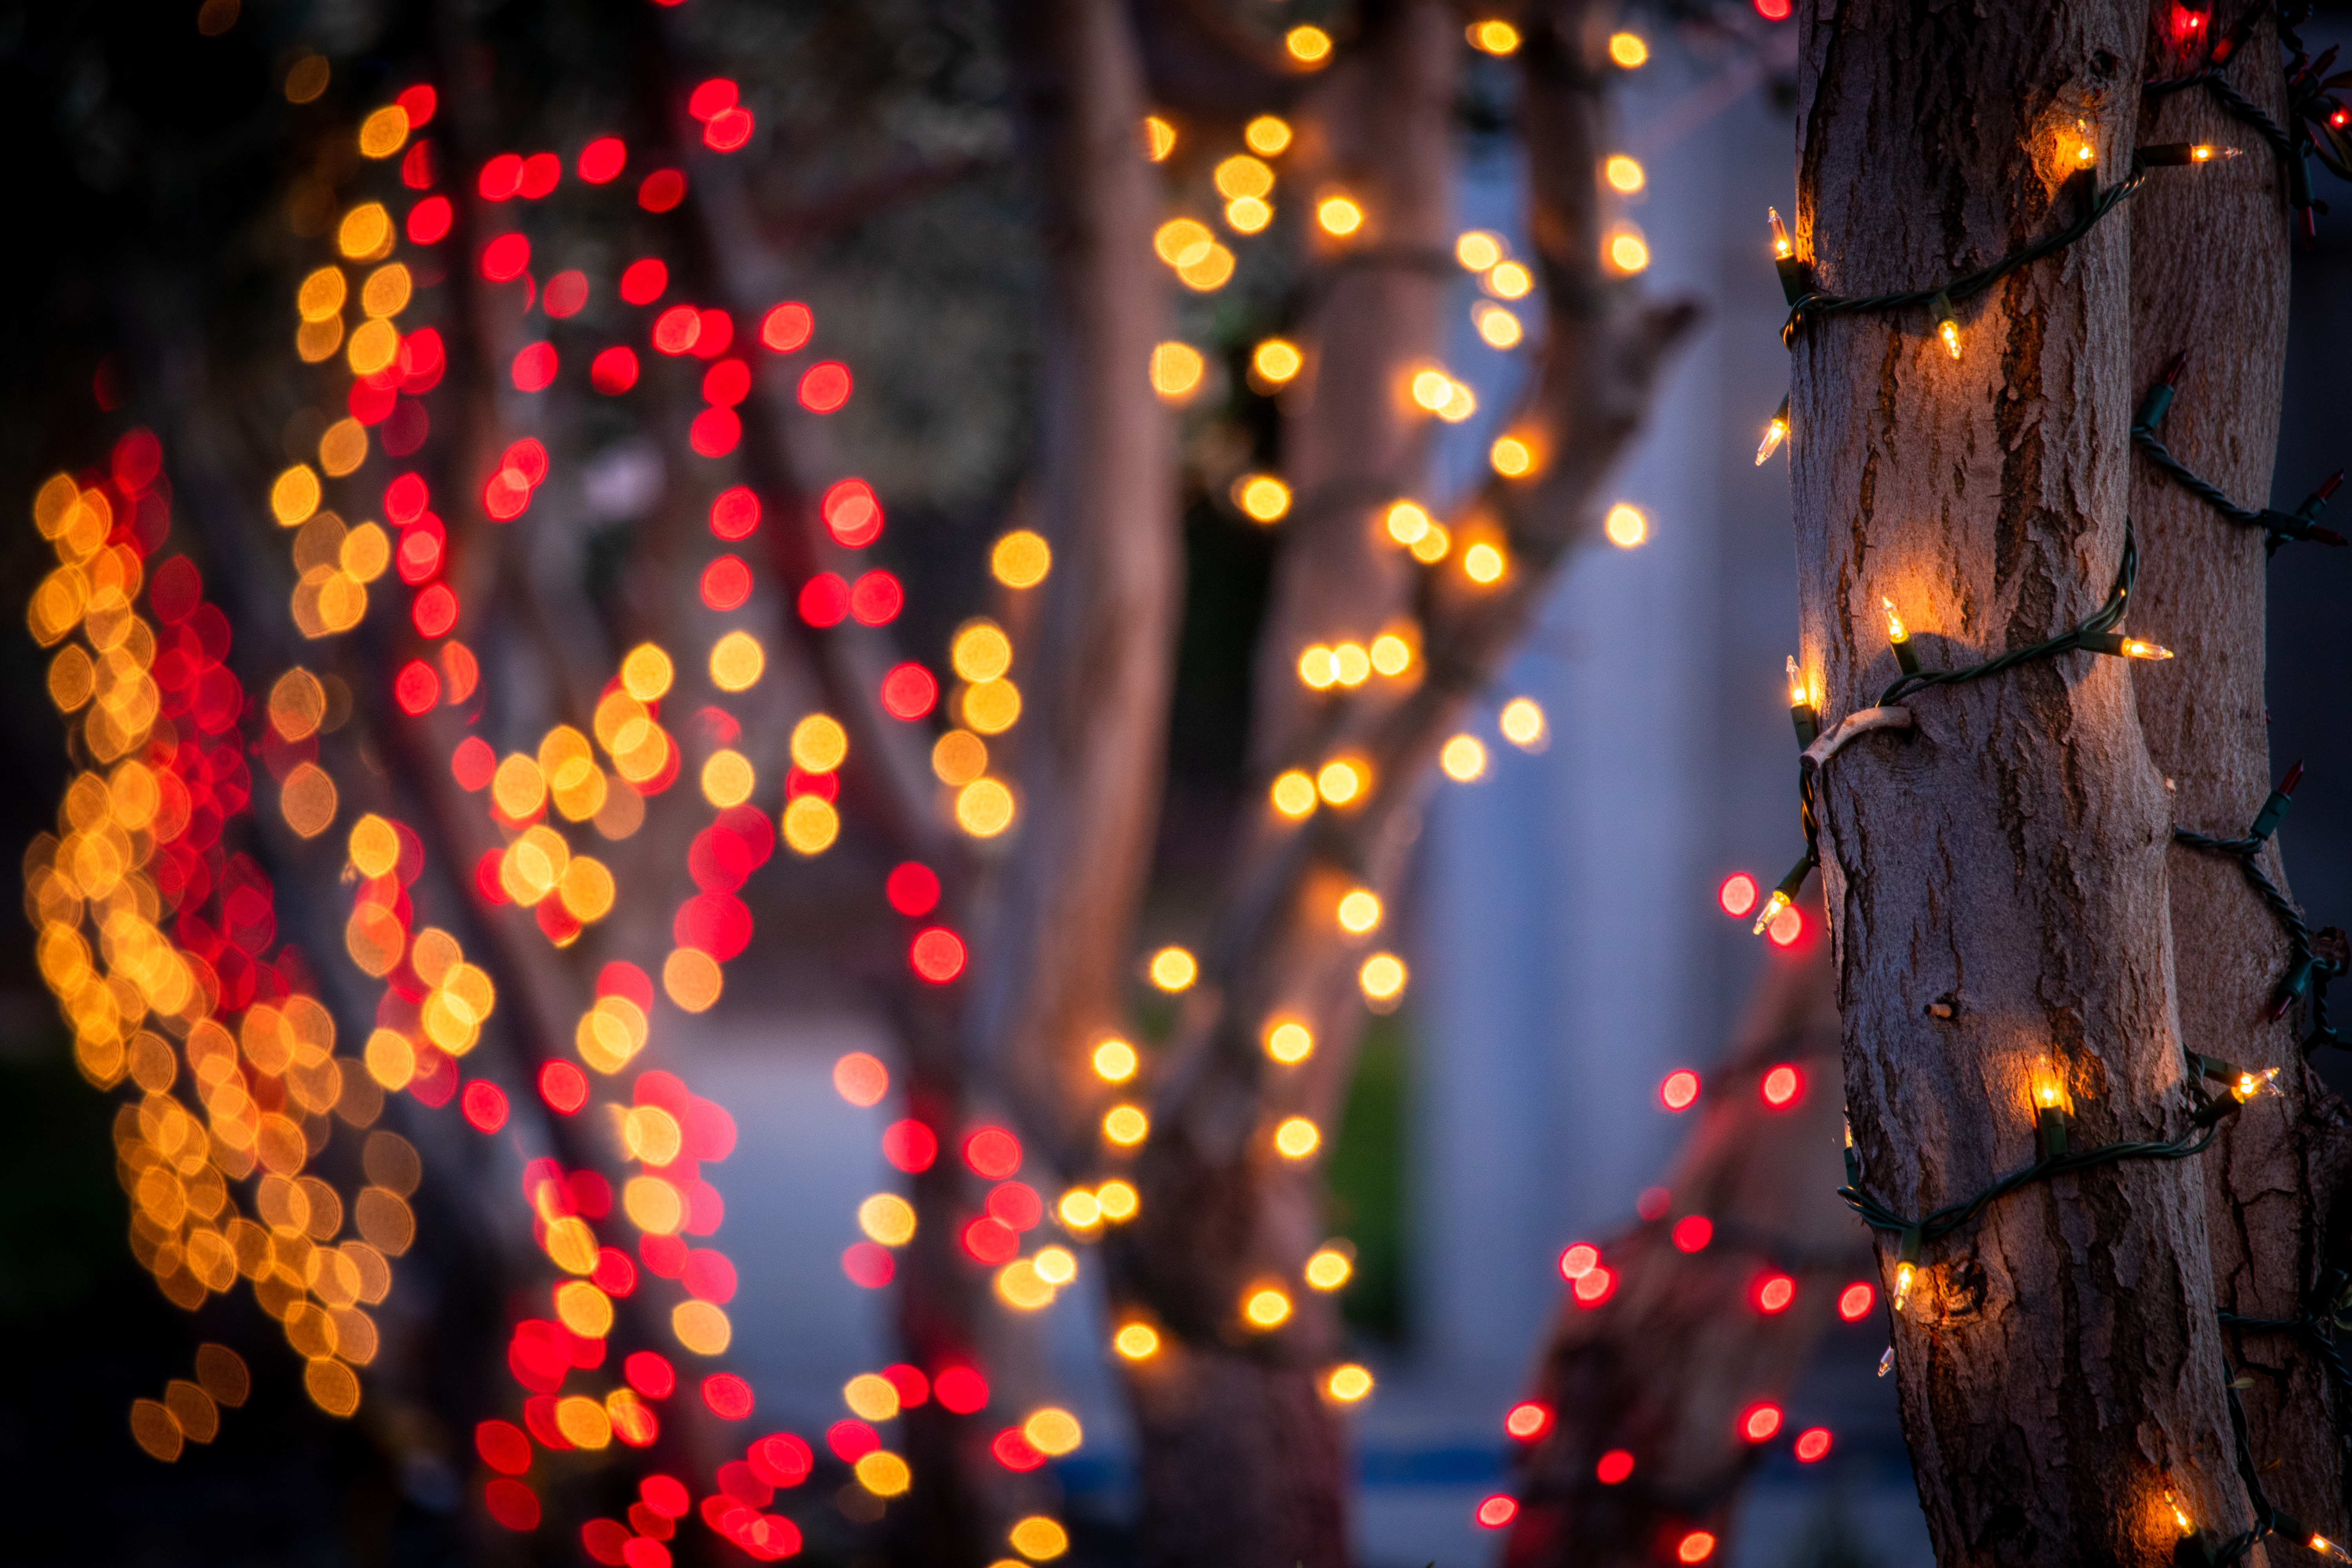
(1765, 1178)
(1241, 1460)
(2209, 279)
(2060, 1365)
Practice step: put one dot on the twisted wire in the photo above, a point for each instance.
(1951, 1216)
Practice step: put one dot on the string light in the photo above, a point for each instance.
(1776, 430)
(1627, 50)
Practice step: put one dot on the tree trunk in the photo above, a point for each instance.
(1241, 1462)
(1763, 1176)
(2060, 1365)
(2209, 279)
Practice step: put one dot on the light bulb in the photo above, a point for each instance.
(1895, 632)
(2329, 1549)
(2251, 1084)
(2202, 153)
(2137, 648)
(1904, 1273)
(1775, 432)
(1781, 247)
(1950, 331)
(1797, 692)
(1772, 907)
(2180, 1515)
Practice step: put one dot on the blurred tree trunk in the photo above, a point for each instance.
(1997, 880)
(1242, 1460)
(2209, 279)
(1764, 1177)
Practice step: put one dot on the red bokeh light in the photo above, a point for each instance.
(567, 294)
(992, 1152)
(504, 258)
(1695, 1547)
(1772, 1293)
(727, 383)
(825, 600)
(1015, 1452)
(1595, 1286)
(1813, 1445)
(541, 174)
(428, 221)
(512, 1504)
(644, 280)
(869, 1264)
(912, 888)
(417, 688)
(787, 327)
(436, 611)
(1855, 1299)
(1498, 1511)
(937, 954)
(725, 583)
(1781, 1085)
(613, 371)
(418, 103)
(727, 130)
(1758, 1422)
(601, 160)
(460, 669)
(781, 1459)
(1679, 1089)
(563, 1087)
(614, 1275)
(715, 432)
(960, 1389)
(729, 1396)
(1527, 1420)
(1773, 10)
(711, 96)
(500, 177)
(913, 1388)
(1615, 1466)
(1737, 894)
(503, 1447)
(824, 387)
(661, 190)
(734, 513)
(1786, 927)
(485, 1105)
(1579, 1260)
(1693, 1232)
(718, 330)
(1653, 1203)
(473, 763)
(876, 599)
(534, 368)
(910, 1145)
(650, 1374)
(908, 691)
(851, 514)
(676, 329)
(1016, 1204)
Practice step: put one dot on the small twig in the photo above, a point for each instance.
(1850, 728)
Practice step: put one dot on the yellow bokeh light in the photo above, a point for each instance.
(373, 346)
(871, 1397)
(1020, 559)
(1359, 910)
(297, 703)
(307, 800)
(518, 788)
(1125, 1125)
(1115, 1061)
(1262, 497)
(1308, 45)
(736, 662)
(1510, 458)
(1249, 215)
(727, 778)
(323, 294)
(992, 707)
(819, 744)
(1351, 664)
(1484, 563)
(1627, 49)
(343, 447)
(1182, 242)
(1317, 668)
(1136, 1342)
(690, 976)
(1242, 175)
(1055, 1266)
(1079, 1209)
(365, 232)
(1117, 1200)
(1210, 273)
(1624, 173)
(1297, 1137)
(1328, 1269)
(1277, 361)
(1338, 215)
(374, 845)
(1342, 781)
(883, 1473)
(1021, 1287)
(983, 808)
(1176, 370)
(1496, 327)
(382, 133)
(650, 1134)
(1382, 977)
(958, 757)
(1431, 389)
(1407, 522)
(1265, 1307)
(1292, 794)
(1522, 722)
(1288, 1041)
(1348, 1383)
(1173, 969)
(1494, 37)
(386, 291)
(1159, 138)
(1459, 404)
(1462, 758)
(887, 1218)
(1391, 655)
(584, 1308)
(1509, 280)
(981, 651)
(701, 1327)
(653, 1206)
(1478, 249)
(587, 889)
(1625, 526)
(1266, 135)
(1628, 252)
(1053, 1431)
(295, 496)
(810, 824)
(646, 672)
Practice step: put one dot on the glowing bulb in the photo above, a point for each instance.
(2329, 1549)
(1289, 1042)
(1328, 1269)
(1478, 250)
(2180, 1515)
(1338, 216)
(1622, 173)
(1159, 138)
(1348, 1383)
(1494, 37)
(1783, 248)
(1483, 564)
(2206, 154)
(1137, 1342)
(1407, 522)
(1265, 1307)
(1950, 331)
(1115, 1061)
(1627, 49)
(1359, 912)
(1297, 1137)
(1625, 526)
(1294, 793)
(1775, 432)
(1904, 1273)
(2251, 1084)
(1771, 912)
(2135, 648)
(1895, 632)
(1266, 135)
(1307, 45)
(1276, 360)
(1509, 455)
(1628, 252)
(1522, 722)
(1798, 693)
(1173, 969)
